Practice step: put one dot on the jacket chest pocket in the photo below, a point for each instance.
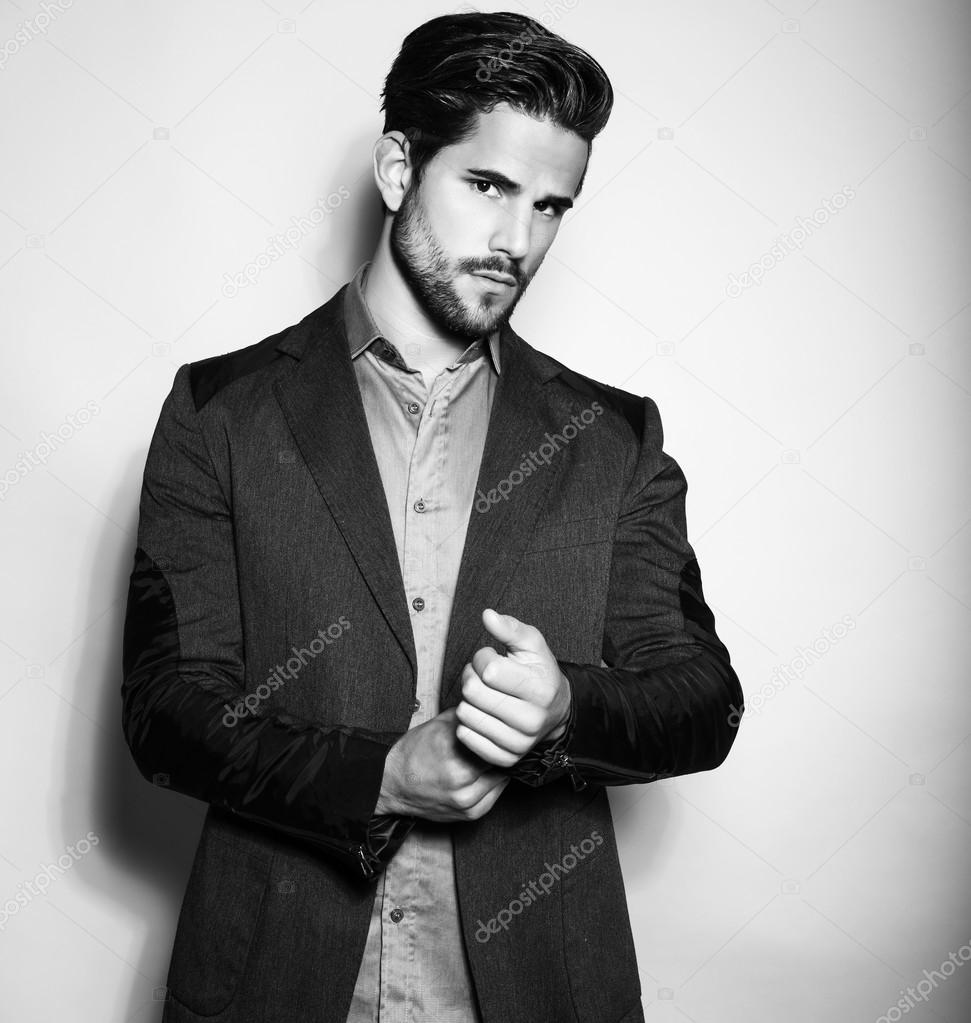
(560, 586)
(549, 536)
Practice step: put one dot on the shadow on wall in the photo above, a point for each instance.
(148, 835)
(642, 815)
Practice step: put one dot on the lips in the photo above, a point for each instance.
(499, 278)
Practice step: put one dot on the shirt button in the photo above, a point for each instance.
(397, 915)
(414, 408)
(418, 604)
(420, 505)
(417, 706)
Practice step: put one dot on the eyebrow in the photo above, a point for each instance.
(564, 202)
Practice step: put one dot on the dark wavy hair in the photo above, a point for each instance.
(459, 65)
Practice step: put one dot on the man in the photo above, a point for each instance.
(408, 595)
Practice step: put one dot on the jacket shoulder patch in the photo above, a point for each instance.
(209, 376)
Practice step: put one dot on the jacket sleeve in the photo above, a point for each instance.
(665, 701)
(183, 671)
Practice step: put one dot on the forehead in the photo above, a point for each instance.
(522, 147)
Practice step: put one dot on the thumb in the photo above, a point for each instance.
(508, 630)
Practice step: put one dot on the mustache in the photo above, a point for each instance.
(493, 266)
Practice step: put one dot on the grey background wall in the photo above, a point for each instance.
(773, 243)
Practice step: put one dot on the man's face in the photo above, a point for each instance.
(493, 203)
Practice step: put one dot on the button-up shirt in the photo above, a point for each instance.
(428, 441)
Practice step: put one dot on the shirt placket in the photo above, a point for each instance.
(429, 596)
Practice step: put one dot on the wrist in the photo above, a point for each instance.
(564, 719)
(387, 801)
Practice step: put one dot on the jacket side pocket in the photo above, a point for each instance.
(220, 910)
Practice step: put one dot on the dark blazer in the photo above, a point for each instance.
(264, 535)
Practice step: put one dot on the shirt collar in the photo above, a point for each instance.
(362, 331)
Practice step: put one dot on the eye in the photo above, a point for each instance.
(482, 181)
(552, 210)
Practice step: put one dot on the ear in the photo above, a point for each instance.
(392, 167)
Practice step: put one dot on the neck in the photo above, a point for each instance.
(401, 318)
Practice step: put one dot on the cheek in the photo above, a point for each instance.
(458, 217)
(542, 239)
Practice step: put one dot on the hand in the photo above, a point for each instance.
(429, 774)
(510, 703)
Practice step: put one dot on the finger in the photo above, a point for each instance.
(489, 779)
(477, 692)
(483, 805)
(485, 748)
(517, 678)
(496, 731)
(483, 656)
(516, 635)
(486, 803)
(516, 713)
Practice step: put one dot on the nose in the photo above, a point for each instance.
(512, 233)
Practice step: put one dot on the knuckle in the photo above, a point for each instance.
(536, 723)
(477, 812)
(456, 776)
(522, 745)
(464, 800)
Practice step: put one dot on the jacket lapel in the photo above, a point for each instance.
(322, 404)
(324, 410)
(522, 413)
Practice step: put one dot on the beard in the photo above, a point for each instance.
(431, 276)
